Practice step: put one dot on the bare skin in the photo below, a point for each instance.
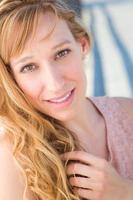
(12, 182)
(48, 75)
(98, 179)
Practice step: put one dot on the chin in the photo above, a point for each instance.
(64, 117)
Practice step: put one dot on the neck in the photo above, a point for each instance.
(83, 124)
(89, 128)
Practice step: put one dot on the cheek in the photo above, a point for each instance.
(77, 69)
(30, 88)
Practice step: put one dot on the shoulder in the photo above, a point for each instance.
(125, 102)
(108, 104)
(11, 186)
(126, 105)
(12, 182)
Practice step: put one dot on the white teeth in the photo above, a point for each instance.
(61, 99)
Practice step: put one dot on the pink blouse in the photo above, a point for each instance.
(119, 134)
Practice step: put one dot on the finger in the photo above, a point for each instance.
(82, 182)
(84, 157)
(84, 193)
(86, 183)
(82, 170)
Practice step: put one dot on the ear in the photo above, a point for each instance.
(85, 46)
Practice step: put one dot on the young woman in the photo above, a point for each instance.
(56, 144)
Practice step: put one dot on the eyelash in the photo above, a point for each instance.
(27, 66)
(65, 52)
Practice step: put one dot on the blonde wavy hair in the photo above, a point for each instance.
(37, 139)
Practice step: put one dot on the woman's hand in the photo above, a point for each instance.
(94, 178)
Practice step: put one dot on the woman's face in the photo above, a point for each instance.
(50, 69)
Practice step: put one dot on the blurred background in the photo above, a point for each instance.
(109, 65)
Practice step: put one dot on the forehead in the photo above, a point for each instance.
(50, 30)
(49, 27)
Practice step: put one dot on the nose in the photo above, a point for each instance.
(52, 78)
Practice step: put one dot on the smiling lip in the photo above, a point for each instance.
(62, 98)
(62, 101)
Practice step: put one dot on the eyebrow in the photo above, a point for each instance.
(24, 59)
(61, 44)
